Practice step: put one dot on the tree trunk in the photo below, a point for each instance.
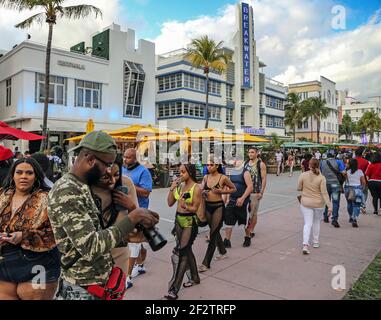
(44, 142)
(312, 134)
(294, 133)
(207, 102)
(318, 130)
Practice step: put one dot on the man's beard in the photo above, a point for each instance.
(94, 175)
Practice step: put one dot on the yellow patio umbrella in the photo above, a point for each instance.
(89, 126)
(144, 130)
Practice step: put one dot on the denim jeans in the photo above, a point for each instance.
(353, 207)
(334, 194)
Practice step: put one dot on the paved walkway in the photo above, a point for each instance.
(273, 267)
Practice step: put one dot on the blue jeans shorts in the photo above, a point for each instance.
(18, 265)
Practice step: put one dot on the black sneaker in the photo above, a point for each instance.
(252, 234)
(350, 220)
(376, 213)
(227, 243)
(354, 224)
(335, 224)
(326, 219)
(247, 242)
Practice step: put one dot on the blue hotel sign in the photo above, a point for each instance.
(245, 46)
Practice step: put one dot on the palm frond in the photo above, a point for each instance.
(20, 5)
(38, 18)
(80, 11)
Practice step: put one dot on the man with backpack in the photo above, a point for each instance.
(332, 170)
(257, 170)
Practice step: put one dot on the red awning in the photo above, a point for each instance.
(10, 133)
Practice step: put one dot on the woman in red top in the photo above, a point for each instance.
(373, 173)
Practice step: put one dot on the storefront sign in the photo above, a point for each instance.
(255, 132)
(245, 46)
(71, 64)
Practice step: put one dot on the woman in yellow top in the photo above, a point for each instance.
(187, 193)
(314, 198)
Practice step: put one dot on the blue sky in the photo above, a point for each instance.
(147, 16)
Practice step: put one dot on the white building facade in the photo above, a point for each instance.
(356, 109)
(272, 101)
(329, 127)
(114, 86)
(233, 95)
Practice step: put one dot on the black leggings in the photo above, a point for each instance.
(375, 190)
(214, 212)
(183, 259)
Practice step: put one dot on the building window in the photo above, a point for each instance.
(229, 116)
(88, 94)
(242, 116)
(269, 121)
(179, 108)
(260, 100)
(214, 87)
(261, 121)
(8, 86)
(214, 113)
(229, 92)
(57, 89)
(305, 125)
(242, 95)
(172, 81)
(134, 77)
(195, 83)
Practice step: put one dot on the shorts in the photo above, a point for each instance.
(234, 214)
(254, 206)
(18, 265)
(135, 249)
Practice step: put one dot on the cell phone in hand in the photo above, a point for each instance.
(123, 189)
(186, 195)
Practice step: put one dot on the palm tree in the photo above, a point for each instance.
(206, 54)
(347, 127)
(370, 122)
(293, 113)
(316, 108)
(50, 10)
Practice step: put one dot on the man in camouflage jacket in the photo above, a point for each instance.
(85, 247)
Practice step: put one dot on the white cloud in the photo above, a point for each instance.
(295, 40)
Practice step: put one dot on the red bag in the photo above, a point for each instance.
(114, 289)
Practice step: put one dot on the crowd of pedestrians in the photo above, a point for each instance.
(88, 228)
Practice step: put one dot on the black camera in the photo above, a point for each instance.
(153, 236)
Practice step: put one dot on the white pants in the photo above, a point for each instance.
(312, 219)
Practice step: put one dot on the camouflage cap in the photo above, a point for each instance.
(98, 141)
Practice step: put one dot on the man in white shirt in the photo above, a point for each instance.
(317, 155)
(278, 159)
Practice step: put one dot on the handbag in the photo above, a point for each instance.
(338, 174)
(351, 192)
(114, 289)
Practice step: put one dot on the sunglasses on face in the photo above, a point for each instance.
(108, 165)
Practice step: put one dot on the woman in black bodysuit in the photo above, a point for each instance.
(214, 185)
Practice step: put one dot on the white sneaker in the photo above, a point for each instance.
(316, 245)
(129, 283)
(221, 257)
(305, 250)
(137, 270)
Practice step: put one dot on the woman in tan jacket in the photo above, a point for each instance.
(314, 197)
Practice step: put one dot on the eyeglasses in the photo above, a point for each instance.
(108, 165)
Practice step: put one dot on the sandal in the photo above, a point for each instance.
(190, 283)
(171, 296)
(202, 268)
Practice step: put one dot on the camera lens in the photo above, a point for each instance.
(154, 237)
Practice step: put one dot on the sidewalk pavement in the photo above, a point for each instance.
(273, 267)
